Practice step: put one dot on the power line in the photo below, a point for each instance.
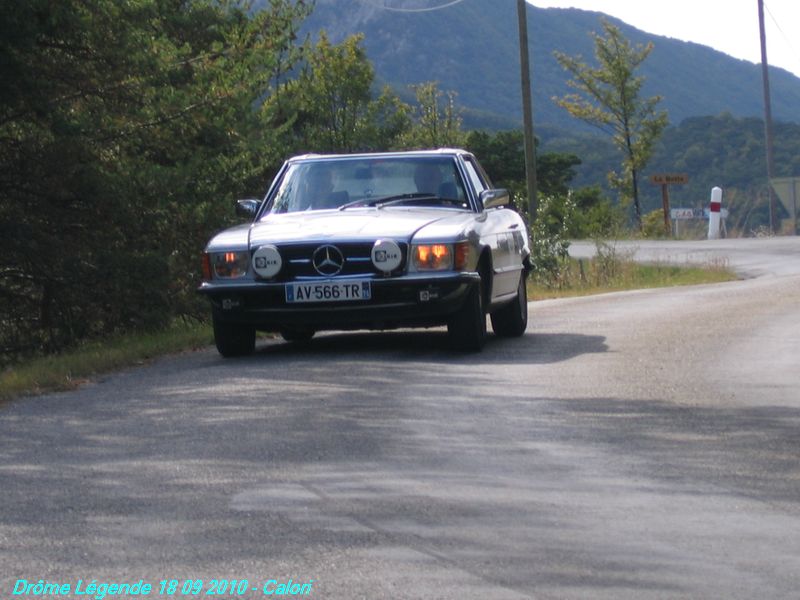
(414, 10)
(795, 53)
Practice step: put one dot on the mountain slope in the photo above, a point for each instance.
(472, 48)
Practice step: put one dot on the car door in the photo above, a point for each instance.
(500, 231)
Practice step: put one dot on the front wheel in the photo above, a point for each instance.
(511, 320)
(233, 339)
(467, 328)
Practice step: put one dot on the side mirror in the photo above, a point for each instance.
(247, 208)
(494, 198)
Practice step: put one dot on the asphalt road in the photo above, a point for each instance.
(634, 445)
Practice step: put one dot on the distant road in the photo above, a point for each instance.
(631, 446)
(750, 257)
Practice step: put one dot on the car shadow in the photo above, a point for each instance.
(434, 346)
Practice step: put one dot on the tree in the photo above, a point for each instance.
(437, 122)
(126, 129)
(337, 112)
(503, 156)
(608, 97)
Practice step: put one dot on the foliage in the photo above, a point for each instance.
(69, 369)
(336, 110)
(502, 154)
(608, 97)
(722, 151)
(127, 129)
(549, 240)
(595, 216)
(554, 172)
(437, 120)
(728, 152)
(611, 270)
(653, 225)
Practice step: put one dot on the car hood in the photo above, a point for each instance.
(360, 225)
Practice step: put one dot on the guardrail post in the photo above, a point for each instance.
(714, 213)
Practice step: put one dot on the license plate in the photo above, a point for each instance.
(328, 291)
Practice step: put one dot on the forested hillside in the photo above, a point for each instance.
(472, 48)
(722, 151)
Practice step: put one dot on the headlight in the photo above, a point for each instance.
(229, 265)
(433, 257)
(440, 257)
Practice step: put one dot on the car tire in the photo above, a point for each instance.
(299, 335)
(511, 320)
(233, 339)
(467, 327)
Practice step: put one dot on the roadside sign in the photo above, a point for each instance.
(788, 191)
(669, 178)
(682, 213)
(665, 180)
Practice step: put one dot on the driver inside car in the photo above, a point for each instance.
(315, 187)
(428, 178)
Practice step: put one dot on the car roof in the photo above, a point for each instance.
(420, 153)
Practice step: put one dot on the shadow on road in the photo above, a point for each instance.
(434, 346)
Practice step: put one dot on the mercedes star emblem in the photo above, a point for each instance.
(328, 260)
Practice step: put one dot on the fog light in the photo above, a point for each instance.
(267, 261)
(386, 255)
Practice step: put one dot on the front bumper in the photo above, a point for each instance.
(422, 300)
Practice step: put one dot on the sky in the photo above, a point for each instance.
(730, 26)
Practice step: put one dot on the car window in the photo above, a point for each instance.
(476, 176)
(333, 183)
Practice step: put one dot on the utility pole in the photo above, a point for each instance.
(767, 116)
(527, 110)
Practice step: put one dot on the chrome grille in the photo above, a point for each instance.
(297, 260)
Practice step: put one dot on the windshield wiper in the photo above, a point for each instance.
(382, 201)
(412, 198)
(362, 202)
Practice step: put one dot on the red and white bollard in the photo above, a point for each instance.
(714, 219)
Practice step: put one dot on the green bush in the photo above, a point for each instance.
(549, 243)
(595, 216)
(653, 225)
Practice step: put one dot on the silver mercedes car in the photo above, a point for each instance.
(371, 241)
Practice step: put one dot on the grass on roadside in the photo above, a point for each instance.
(71, 368)
(585, 277)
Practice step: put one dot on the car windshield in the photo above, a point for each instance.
(342, 183)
